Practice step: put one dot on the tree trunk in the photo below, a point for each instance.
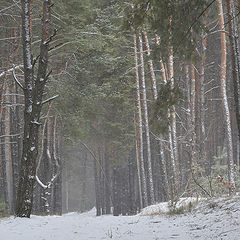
(224, 98)
(8, 151)
(235, 58)
(202, 151)
(97, 184)
(161, 148)
(107, 180)
(3, 166)
(57, 187)
(173, 116)
(147, 132)
(192, 114)
(33, 92)
(139, 129)
(150, 65)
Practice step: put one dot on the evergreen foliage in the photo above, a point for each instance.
(177, 23)
(97, 99)
(168, 97)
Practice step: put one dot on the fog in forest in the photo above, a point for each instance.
(119, 119)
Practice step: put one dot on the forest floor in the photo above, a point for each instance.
(211, 219)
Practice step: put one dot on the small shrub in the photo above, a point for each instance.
(176, 211)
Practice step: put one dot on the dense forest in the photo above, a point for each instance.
(117, 104)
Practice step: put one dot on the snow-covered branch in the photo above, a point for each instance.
(50, 99)
(2, 74)
(15, 78)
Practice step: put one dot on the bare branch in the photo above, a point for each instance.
(15, 78)
(2, 74)
(51, 37)
(50, 99)
(48, 75)
(12, 135)
(41, 183)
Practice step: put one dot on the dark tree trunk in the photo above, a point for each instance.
(33, 92)
(97, 187)
(131, 191)
(107, 184)
(57, 204)
(3, 166)
(102, 178)
(116, 195)
(124, 186)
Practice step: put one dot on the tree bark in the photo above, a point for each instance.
(235, 58)
(192, 113)
(161, 148)
(150, 65)
(202, 151)
(224, 98)
(147, 132)
(139, 128)
(33, 92)
(8, 150)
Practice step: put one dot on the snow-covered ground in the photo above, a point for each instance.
(215, 219)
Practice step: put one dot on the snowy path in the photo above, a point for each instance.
(86, 227)
(219, 219)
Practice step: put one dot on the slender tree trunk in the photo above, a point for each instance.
(173, 114)
(150, 65)
(107, 180)
(188, 118)
(57, 204)
(102, 177)
(15, 146)
(116, 192)
(138, 172)
(155, 95)
(147, 132)
(235, 57)
(3, 166)
(161, 148)
(2, 96)
(131, 189)
(139, 128)
(224, 98)
(8, 155)
(203, 154)
(192, 112)
(172, 131)
(97, 183)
